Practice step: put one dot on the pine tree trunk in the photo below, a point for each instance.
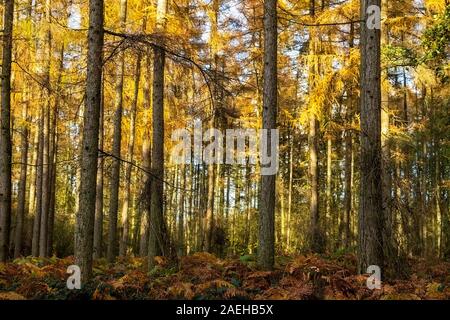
(371, 194)
(39, 171)
(158, 239)
(146, 157)
(266, 246)
(117, 139)
(21, 197)
(84, 228)
(328, 224)
(181, 212)
(130, 150)
(32, 193)
(98, 222)
(5, 132)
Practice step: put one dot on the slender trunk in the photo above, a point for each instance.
(85, 219)
(130, 150)
(146, 157)
(181, 213)
(21, 197)
(345, 222)
(98, 224)
(39, 171)
(328, 223)
(158, 239)
(315, 232)
(291, 172)
(117, 139)
(5, 132)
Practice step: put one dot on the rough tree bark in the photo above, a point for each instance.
(117, 139)
(98, 222)
(5, 132)
(371, 193)
(266, 245)
(315, 233)
(37, 210)
(84, 228)
(158, 243)
(146, 157)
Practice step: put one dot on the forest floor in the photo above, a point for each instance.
(203, 276)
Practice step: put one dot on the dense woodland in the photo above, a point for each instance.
(92, 90)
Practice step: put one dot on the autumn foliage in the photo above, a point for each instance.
(203, 276)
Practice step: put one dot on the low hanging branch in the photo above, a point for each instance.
(151, 41)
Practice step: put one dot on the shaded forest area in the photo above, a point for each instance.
(93, 90)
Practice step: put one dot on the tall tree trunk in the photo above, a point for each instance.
(32, 193)
(117, 139)
(84, 228)
(345, 222)
(130, 150)
(181, 212)
(348, 158)
(371, 194)
(5, 133)
(158, 238)
(21, 197)
(315, 232)
(46, 170)
(266, 246)
(39, 171)
(291, 173)
(328, 222)
(98, 222)
(146, 156)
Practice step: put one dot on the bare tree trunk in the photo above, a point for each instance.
(127, 197)
(328, 223)
(146, 158)
(117, 139)
(291, 172)
(5, 133)
(266, 246)
(181, 213)
(209, 215)
(84, 228)
(53, 155)
(38, 208)
(315, 232)
(348, 159)
(158, 243)
(46, 148)
(371, 194)
(347, 188)
(21, 197)
(32, 193)
(98, 224)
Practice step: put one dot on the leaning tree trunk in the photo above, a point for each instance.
(371, 191)
(117, 139)
(266, 246)
(84, 228)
